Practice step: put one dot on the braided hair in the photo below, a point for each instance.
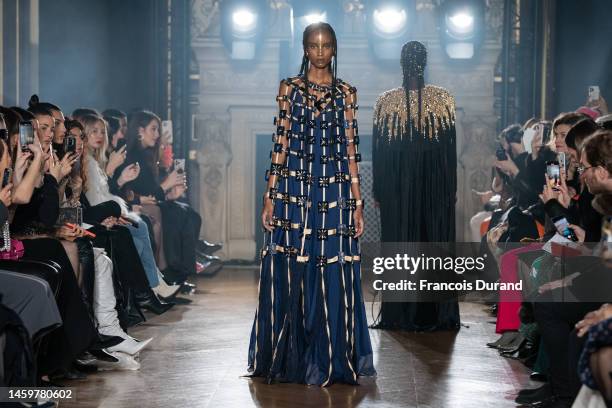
(311, 28)
(413, 62)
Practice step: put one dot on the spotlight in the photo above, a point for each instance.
(242, 24)
(462, 27)
(315, 18)
(389, 26)
(244, 20)
(389, 21)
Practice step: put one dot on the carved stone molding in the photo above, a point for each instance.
(214, 158)
(204, 16)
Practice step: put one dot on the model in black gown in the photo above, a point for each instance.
(415, 179)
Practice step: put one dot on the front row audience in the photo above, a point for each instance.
(93, 232)
(548, 222)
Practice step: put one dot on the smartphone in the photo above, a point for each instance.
(120, 143)
(562, 161)
(553, 170)
(69, 144)
(500, 153)
(179, 165)
(26, 134)
(562, 226)
(6, 177)
(593, 93)
(4, 135)
(166, 131)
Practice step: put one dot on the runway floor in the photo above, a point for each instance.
(198, 358)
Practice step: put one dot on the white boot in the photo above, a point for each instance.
(104, 307)
(163, 289)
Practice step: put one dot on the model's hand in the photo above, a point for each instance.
(266, 214)
(359, 223)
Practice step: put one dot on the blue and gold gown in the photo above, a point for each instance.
(310, 325)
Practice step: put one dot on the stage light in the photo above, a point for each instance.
(244, 20)
(389, 26)
(242, 25)
(389, 20)
(315, 18)
(461, 28)
(461, 23)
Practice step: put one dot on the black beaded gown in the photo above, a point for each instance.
(310, 324)
(414, 163)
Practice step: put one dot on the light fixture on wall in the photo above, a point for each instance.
(389, 24)
(242, 25)
(461, 28)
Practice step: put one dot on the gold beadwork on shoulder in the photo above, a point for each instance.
(437, 112)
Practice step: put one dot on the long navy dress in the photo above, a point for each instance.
(310, 325)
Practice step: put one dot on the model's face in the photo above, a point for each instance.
(149, 134)
(320, 48)
(95, 138)
(560, 134)
(60, 129)
(46, 127)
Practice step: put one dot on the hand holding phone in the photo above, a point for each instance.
(500, 153)
(553, 172)
(594, 93)
(69, 144)
(26, 134)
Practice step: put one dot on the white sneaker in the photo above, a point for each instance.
(125, 362)
(130, 346)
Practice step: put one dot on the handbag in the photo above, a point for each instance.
(11, 249)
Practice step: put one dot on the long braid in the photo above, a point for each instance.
(413, 61)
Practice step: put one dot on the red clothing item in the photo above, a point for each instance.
(510, 300)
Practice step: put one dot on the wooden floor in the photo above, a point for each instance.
(199, 355)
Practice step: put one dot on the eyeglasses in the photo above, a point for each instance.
(582, 169)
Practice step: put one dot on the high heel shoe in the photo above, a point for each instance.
(149, 301)
(130, 346)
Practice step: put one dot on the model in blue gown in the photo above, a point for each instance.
(310, 325)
